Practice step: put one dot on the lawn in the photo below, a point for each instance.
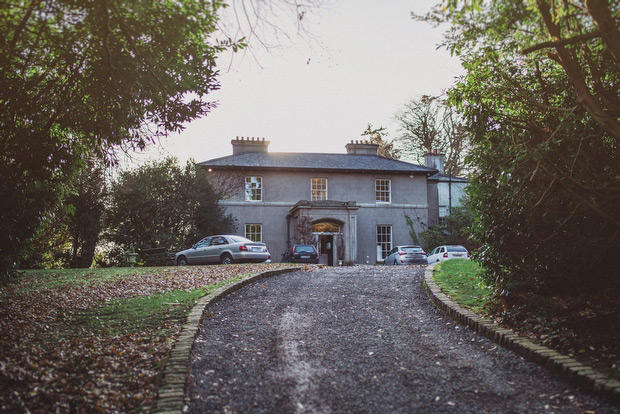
(585, 326)
(94, 340)
(461, 280)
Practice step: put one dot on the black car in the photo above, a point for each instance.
(302, 253)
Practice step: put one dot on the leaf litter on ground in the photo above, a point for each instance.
(64, 348)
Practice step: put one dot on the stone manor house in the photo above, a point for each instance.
(356, 203)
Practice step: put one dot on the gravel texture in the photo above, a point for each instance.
(359, 339)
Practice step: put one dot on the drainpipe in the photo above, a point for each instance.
(450, 194)
(288, 231)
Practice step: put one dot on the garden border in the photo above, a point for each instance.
(570, 368)
(171, 392)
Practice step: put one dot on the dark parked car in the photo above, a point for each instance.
(302, 253)
(403, 255)
(225, 249)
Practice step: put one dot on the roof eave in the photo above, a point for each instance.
(214, 167)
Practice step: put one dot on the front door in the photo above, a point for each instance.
(326, 249)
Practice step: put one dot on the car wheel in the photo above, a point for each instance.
(182, 261)
(226, 259)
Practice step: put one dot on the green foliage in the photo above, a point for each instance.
(68, 234)
(545, 151)
(462, 280)
(162, 205)
(86, 219)
(108, 254)
(83, 76)
(412, 232)
(379, 136)
(456, 229)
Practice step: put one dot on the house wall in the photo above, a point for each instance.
(433, 203)
(443, 190)
(281, 190)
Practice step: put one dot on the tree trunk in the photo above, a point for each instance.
(576, 77)
(599, 10)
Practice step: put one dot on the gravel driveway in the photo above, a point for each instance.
(359, 340)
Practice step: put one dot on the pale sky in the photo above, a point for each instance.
(368, 59)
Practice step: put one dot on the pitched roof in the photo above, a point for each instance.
(447, 178)
(315, 161)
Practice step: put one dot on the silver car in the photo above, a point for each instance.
(403, 255)
(225, 249)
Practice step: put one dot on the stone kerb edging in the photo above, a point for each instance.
(575, 371)
(171, 391)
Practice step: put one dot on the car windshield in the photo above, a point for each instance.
(411, 249)
(456, 249)
(239, 239)
(304, 249)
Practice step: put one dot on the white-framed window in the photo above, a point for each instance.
(384, 241)
(319, 189)
(253, 188)
(383, 190)
(254, 232)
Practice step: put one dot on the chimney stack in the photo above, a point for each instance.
(362, 148)
(434, 159)
(243, 144)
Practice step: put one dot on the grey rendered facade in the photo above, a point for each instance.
(444, 191)
(355, 202)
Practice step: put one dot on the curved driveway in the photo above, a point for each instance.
(359, 340)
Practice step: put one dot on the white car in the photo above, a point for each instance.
(441, 253)
(225, 249)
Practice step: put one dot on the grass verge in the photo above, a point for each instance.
(35, 280)
(461, 280)
(145, 312)
(584, 326)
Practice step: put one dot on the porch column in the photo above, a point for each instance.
(351, 252)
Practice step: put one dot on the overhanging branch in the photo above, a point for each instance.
(562, 42)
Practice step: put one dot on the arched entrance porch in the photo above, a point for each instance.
(330, 222)
(329, 241)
